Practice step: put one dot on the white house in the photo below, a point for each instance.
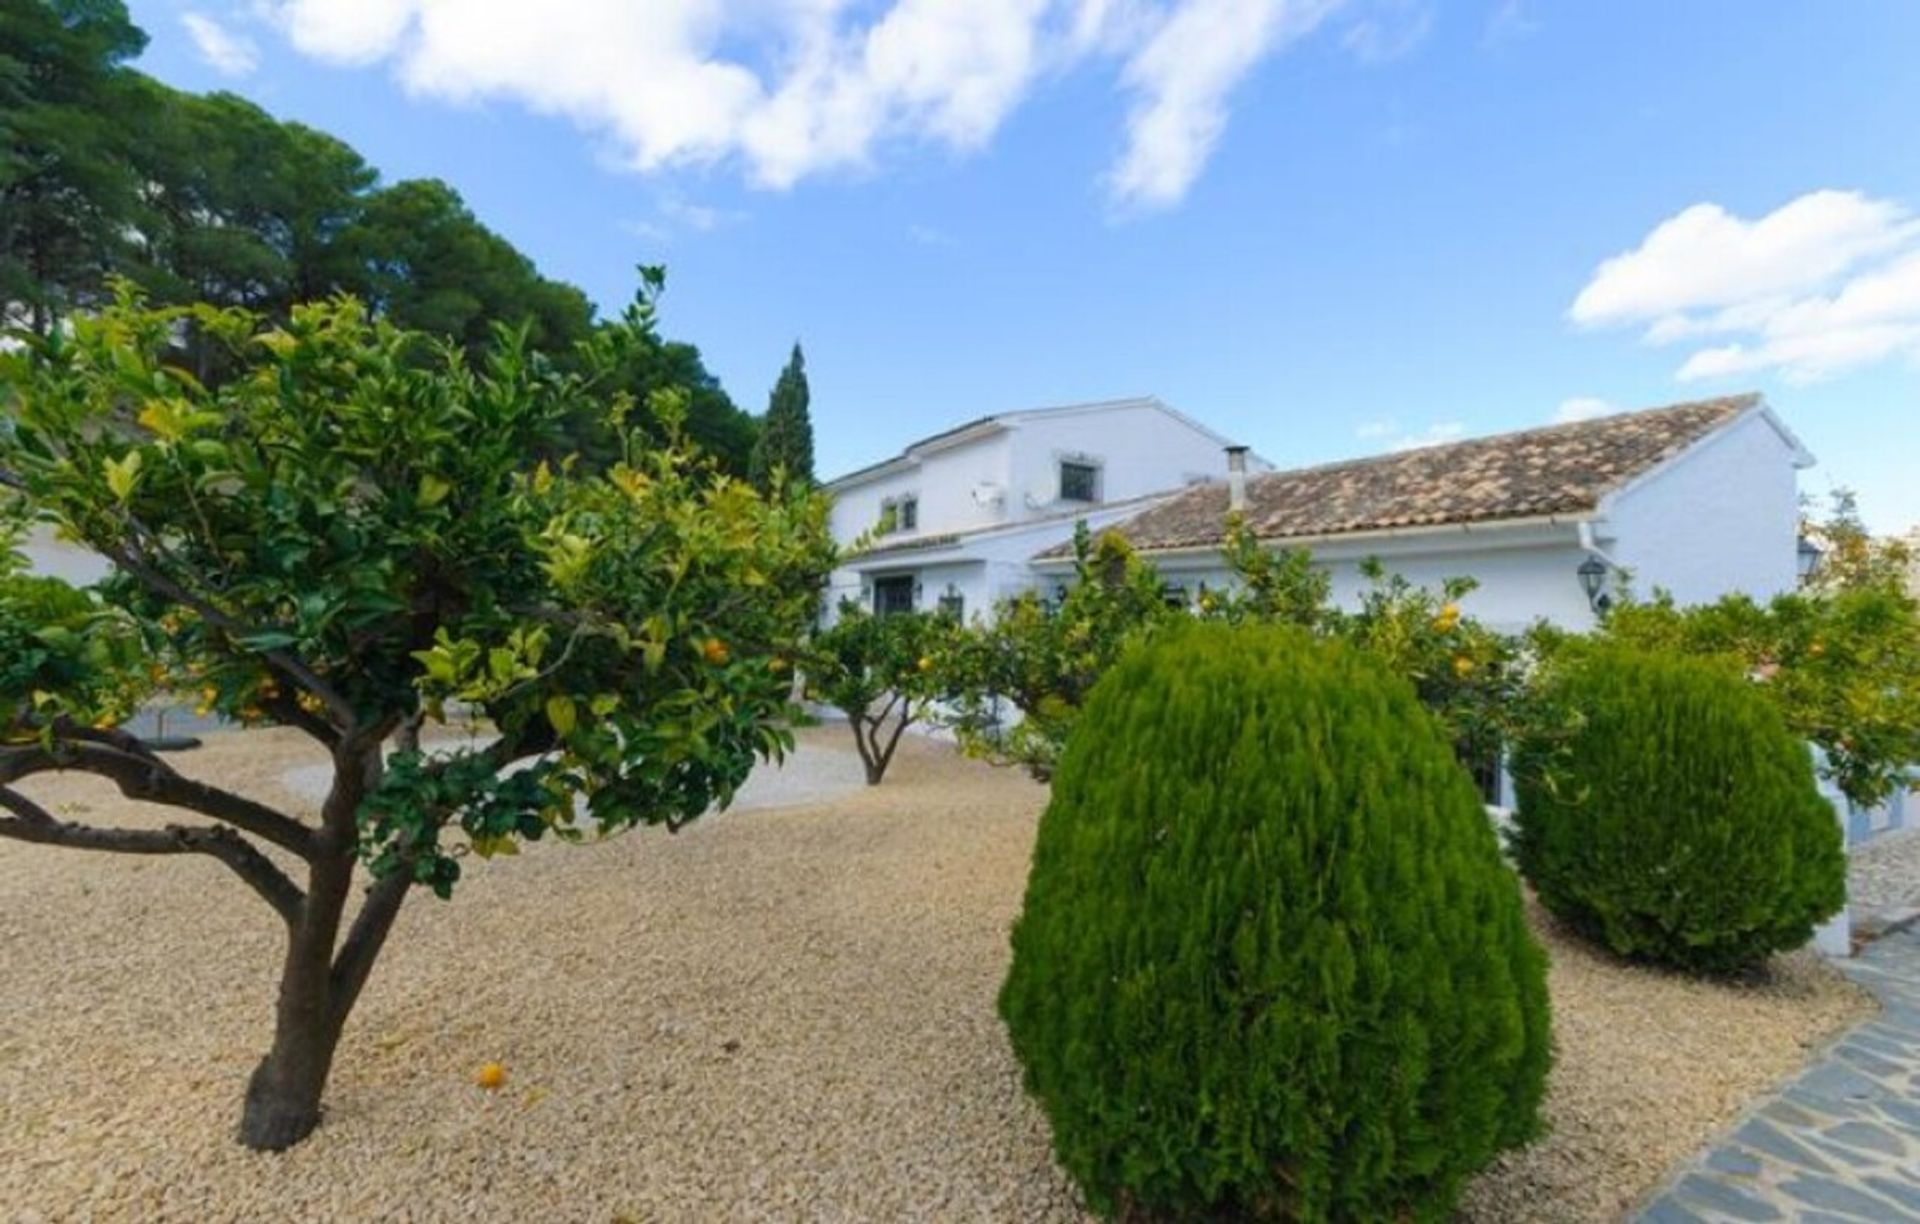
(58, 559)
(1700, 499)
(954, 520)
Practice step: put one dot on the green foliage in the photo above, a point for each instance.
(210, 199)
(65, 188)
(1274, 585)
(1841, 665)
(1672, 815)
(346, 532)
(63, 656)
(1852, 557)
(1270, 964)
(881, 672)
(1044, 656)
(786, 432)
(1471, 678)
(642, 363)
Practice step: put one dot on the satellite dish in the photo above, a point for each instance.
(987, 493)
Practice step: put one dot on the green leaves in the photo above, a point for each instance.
(1676, 818)
(122, 474)
(375, 512)
(1269, 964)
(1842, 665)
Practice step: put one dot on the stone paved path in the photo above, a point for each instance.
(1841, 1142)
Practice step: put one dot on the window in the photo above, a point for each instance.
(1174, 596)
(893, 594)
(954, 604)
(1079, 481)
(899, 514)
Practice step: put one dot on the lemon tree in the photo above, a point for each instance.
(882, 672)
(350, 534)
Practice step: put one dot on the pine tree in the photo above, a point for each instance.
(786, 432)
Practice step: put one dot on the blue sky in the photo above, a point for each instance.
(1326, 228)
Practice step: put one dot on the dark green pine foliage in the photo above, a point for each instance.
(786, 432)
(1674, 817)
(1270, 964)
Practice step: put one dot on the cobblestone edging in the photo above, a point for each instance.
(1840, 1141)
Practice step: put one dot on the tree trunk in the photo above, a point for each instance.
(317, 992)
(283, 1097)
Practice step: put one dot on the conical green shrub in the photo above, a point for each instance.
(1270, 963)
(1670, 814)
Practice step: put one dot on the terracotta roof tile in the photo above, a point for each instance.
(1559, 469)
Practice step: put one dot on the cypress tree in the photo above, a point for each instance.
(1672, 816)
(786, 432)
(1270, 964)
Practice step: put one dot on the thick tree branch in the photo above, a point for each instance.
(286, 710)
(290, 668)
(365, 939)
(32, 823)
(141, 775)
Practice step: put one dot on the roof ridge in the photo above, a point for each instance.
(1736, 403)
(1564, 468)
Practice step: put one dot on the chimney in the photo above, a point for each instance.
(1236, 479)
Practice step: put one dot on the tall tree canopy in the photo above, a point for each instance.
(210, 199)
(66, 187)
(786, 433)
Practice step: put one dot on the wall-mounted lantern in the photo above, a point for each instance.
(1593, 580)
(1807, 557)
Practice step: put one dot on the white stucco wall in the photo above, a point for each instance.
(1721, 518)
(54, 559)
(943, 482)
(1138, 448)
(985, 568)
(1523, 576)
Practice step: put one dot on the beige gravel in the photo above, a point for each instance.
(779, 1014)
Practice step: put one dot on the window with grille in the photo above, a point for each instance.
(1079, 481)
(892, 595)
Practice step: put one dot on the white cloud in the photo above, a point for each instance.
(1393, 438)
(1510, 21)
(792, 88)
(1823, 284)
(229, 53)
(930, 235)
(1388, 30)
(1581, 408)
(1182, 75)
(675, 214)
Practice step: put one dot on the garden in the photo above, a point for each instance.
(1206, 917)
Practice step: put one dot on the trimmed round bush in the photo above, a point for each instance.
(1670, 814)
(1270, 963)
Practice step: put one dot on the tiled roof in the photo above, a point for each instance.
(1560, 469)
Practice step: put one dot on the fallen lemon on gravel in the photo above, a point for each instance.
(491, 1076)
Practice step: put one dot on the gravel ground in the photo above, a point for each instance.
(787, 1016)
(1884, 874)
